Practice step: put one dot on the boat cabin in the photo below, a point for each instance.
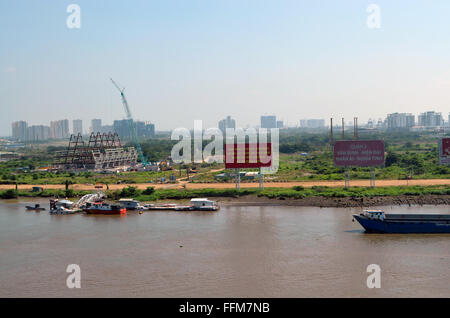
(129, 204)
(202, 203)
(54, 204)
(374, 214)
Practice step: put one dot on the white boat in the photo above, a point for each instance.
(62, 210)
(130, 204)
(203, 204)
(62, 207)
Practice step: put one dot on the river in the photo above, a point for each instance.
(256, 251)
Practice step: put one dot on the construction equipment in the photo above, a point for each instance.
(131, 123)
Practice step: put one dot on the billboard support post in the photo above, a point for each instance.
(238, 179)
(372, 177)
(347, 178)
(261, 180)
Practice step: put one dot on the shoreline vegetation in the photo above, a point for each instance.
(320, 196)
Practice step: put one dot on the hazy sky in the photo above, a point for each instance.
(185, 60)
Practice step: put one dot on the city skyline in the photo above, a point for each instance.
(20, 130)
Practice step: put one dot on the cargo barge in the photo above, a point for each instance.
(103, 208)
(200, 204)
(379, 222)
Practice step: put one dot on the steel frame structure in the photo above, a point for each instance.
(102, 151)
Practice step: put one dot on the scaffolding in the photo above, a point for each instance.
(102, 151)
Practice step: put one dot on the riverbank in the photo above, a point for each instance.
(319, 196)
(347, 202)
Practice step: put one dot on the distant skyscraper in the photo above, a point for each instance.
(268, 122)
(143, 129)
(96, 125)
(19, 130)
(59, 129)
(77, 126)
(430, 119)
(400, 121)
(280, 124)
(107, 129)
(38, 133)
(227, 123)
(312, 123)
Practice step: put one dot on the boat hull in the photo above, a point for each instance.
(105, 212)
(404, 226)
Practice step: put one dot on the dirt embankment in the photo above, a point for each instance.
(181, 185)
(338, 202)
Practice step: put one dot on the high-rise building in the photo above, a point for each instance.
(400, 121)
(59, 129)
(149, 130)
(312, 123)
(143, 129)
(107, 129)
(280, 124)
(430, 119)
(96, 125)
(38, 133)
(19, 130)
(227, 123)
(77, 126)
(268, 122)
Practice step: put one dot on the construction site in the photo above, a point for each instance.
(101, 152)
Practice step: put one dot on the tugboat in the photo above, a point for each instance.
(103, 208)
(379, 222)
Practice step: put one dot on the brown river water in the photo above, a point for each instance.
(256, 251)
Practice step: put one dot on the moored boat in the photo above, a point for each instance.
(379, 222)
(104, 208)
(130, 204)
(36, 207)
(203, 204)
(63, 207)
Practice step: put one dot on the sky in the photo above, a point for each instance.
(186, 60)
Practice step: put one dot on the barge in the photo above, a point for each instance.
(104, 208)
(380, 222)
(200, 204)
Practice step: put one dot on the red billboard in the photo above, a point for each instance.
(444, 151)
(247, 156)
(359, 153)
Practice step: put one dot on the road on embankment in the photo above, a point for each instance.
(184, 184)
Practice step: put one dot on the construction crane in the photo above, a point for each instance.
(131, 123)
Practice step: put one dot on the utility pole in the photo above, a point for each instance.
(355, 127)
(331, 131)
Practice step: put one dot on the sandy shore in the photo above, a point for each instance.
(181, 185)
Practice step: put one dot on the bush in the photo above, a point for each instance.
(129, 192)
(149, 191)
(298, 188)
(9, 194)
